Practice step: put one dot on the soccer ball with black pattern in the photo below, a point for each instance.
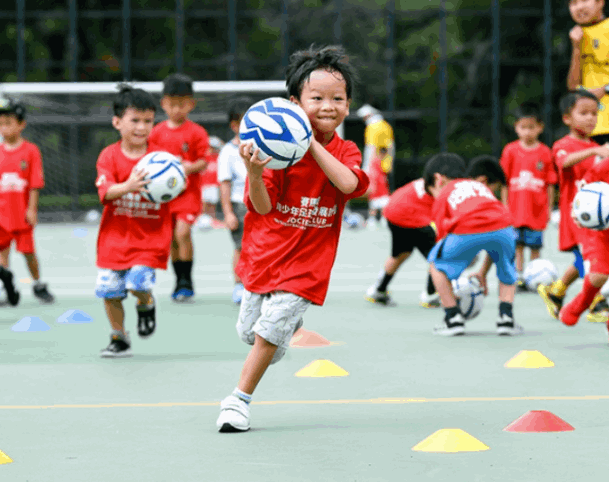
(591, 206)
(539, 272)
(166, 174)
(280, 129)
(470, 296)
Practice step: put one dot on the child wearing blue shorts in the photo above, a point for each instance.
(469, 219)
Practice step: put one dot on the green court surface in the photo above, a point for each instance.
(67, 415)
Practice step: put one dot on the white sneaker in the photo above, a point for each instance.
(507, 327)
(429, 301)
(381, 297)
(453, 327)
(234, 415)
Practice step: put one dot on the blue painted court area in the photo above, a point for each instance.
(68, 415)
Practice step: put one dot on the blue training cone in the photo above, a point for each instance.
(30, 323)
(74, 317)
(79, 232)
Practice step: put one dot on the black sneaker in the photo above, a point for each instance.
(119, 347)
(6, 276)
(184, 291)
(146, 320)
(453, 327)
(42, 293)
(521, 286)
(507, 327)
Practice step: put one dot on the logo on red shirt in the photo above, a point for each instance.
(185, 147)
(23, 165)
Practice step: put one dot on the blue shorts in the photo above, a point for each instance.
(453, 254)
(529, 238)
(113, 284)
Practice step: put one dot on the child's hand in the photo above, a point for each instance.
(31, 216)
(576, 35)
(136, 181)
(231, 221)
(252, 161)
(603, 151)
(482, 280)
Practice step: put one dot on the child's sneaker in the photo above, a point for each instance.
(42, 293)
(238, 293)
(553, 303)
(119, 347)
(452, 327)
(382, 297)
(599, 313)
(234, 415)
(521, 286)
(507, 327)
(184, 291)
(429, 301)
(146, 319)
(6, 276)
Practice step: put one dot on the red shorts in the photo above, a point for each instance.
(24, 240)
(189, 218)
(187, 206)
(596, 247)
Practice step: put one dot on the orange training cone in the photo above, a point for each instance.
(308, 339)
(539, 421)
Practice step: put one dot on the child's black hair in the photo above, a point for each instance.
(528, 110)
(12, 107)
(238, 107)
(486, 165)
(178, 85)
(332, 58)
(447, 164)
(568, 101)
(137, 99)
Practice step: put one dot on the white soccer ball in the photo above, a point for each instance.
(92, 216)
(166, 174)
(204, 222)
(470, 296)
(354, 221)
(591, 206)
(279, 128)
(539, 272)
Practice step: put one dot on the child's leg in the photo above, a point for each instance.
(519, 258)
(4, 256)
(25, 245)
(535, 253)
(32, 265)
(116, 313)
(139, 281)
(443, 287)
(182, 264)
(183, 240)
(570, 314)
(256, 363)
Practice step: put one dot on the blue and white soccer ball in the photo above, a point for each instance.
(591, 206)
(539, 272)
(279, 128)
(166, 174)
(354, 220)
(470, 296)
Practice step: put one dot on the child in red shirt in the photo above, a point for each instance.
(408, 215)
(530, 174)
(469, 219)
(293, 223)
(573, 155)
(378, 192)
(134, 234)
(21, 178)
(189, 141)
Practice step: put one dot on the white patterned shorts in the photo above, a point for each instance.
(114, 284)
(273, 316)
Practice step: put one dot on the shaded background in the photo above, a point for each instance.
(446, 74)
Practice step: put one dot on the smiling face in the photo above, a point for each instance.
(583, 116)
(134, 126)
(584, 12)
(324, 99)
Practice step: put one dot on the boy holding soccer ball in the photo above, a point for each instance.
(293, 223)
(574, 155)
(189, 141)
(134, 234)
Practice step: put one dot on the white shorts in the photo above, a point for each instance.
(273, 316)
(379, 202)
(211, 194)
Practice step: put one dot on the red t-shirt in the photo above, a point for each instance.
(133, 231)
(209, 177)
(190, 142)
(410, 206)
(570, 179)
(20, 172)
(379, 184)
(529, 172)
(293, 247)
(465, 206)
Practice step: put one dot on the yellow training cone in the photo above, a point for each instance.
(322, 368)
(450, 440)
(529, 359)
(4, 459)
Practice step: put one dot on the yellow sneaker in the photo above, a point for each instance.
(553, 302)
(599, 312)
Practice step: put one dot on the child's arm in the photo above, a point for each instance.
(340, 175)
(504, 195)
(550, 198)
(135, 183)
(483, 271)
(230, 219)
(197, 166)
(258, 194)
(31, 213)
(575, 157)
(574, 77)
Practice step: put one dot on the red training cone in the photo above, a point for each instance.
(308, 339)
(539, 421)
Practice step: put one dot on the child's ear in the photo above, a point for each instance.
(116, 122)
